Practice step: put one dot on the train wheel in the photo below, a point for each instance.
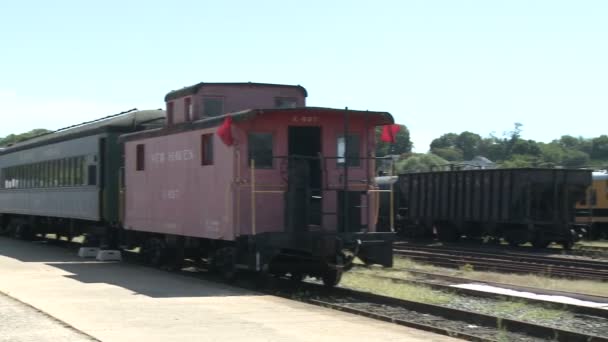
(447, 233)
(516, 237)
(539, 240)
(7, 229)
(225, 263)
(23, 232)
(567, 245)
(296, 277)
(154, 252)
(539, 243)
(331, 277)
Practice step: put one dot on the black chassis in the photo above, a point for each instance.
(313, 253)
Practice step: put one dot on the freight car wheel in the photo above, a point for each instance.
(447, 233)
(567, 245)
(538, 243)
(331, 277)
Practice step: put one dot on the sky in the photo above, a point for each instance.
(436, 66)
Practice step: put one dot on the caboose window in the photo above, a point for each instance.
(169, 113)
(353, 150)
(213, 106)
(207, 149)
(260, 149)
(187, 109)
(140, 157)
(285, 102)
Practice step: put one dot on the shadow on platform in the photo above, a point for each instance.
(136, 278)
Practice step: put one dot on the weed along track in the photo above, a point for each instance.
(466, 289)
(469, 324)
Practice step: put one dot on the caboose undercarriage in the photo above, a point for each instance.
(315, 254)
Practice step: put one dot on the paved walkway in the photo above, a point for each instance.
(20, 322)
(125, 302)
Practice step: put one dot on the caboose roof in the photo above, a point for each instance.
(191, 90)
(379, 119)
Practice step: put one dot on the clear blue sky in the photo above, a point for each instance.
(437, 66)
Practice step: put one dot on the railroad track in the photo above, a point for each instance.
(505, 261)
(462, 280)
(445, 284)
(591, 251)
(465, 324)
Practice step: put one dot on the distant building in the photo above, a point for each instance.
(479, 162)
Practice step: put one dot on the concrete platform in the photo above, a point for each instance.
(22, 323)
(126, 302)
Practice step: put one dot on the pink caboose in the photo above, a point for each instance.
(281, 189)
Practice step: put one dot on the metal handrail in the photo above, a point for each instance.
(253, 186)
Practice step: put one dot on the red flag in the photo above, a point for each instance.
(389, 133)
(225, 131)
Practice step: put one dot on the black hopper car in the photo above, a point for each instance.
(518, 205)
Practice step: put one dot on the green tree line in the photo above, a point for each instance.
(15, 138)
(511, 150)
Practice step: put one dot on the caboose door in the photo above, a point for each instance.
(304, 201)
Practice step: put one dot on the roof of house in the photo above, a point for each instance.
(191, 90)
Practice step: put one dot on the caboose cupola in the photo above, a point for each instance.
(204, 100)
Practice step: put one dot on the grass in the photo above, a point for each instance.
(385, 287)
(365, 281)
(598, 243)
(526, 312)
(559, 284)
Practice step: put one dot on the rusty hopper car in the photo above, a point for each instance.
(282, 190)
(519, 205)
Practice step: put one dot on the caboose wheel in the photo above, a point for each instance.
(296, 277)
(331, 277)
(225, 263)
(154, 252)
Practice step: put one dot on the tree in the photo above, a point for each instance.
(492, 148)
(420, 163)
(600, 147)
(447, 140)
(529, 147)
(402, 144)
(574, 159)
(469, 144)
(517, 161)
(551, 153)
(449, 154)
(568, 141)
(15, 138)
